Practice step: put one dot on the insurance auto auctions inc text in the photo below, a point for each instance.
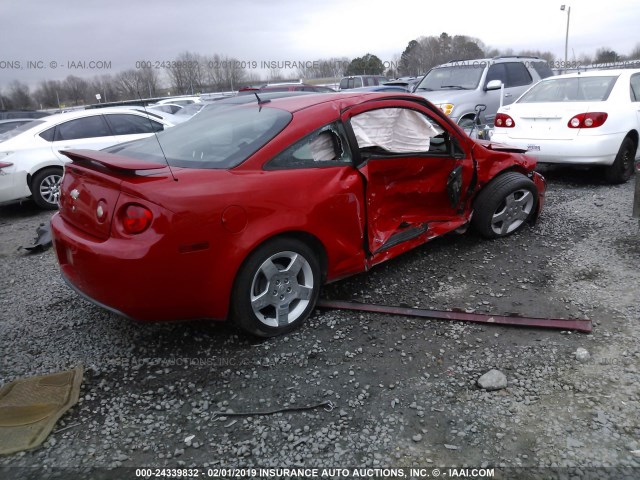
(337, 473)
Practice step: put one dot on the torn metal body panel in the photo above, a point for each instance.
(579, 325)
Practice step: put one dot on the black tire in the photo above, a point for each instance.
(504, 205)
(292, 293)
(622, 168)
(45, 187)
(466, 122)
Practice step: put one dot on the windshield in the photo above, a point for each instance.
(18, 130)
(216, 138)
(575, 89)
(456, 77)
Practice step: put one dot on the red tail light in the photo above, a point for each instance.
(5, 164)
(504, 120)
(588, 120)
(135, 218)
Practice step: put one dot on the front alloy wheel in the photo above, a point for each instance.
(277, 288)
(504, 205)
(513, 211)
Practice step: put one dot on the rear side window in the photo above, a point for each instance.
(127, 124)
(88, 127)
(517, 75)
(511, 74)
(49, 134)
(325, 147)
(542, 69)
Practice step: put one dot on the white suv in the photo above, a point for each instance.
(458, 86)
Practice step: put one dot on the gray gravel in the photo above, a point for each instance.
(405, 391)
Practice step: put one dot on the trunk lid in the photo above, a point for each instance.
(92, 184)
(546, 121)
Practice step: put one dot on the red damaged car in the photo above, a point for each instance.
(244, 212)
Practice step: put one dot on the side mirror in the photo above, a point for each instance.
(493, 85)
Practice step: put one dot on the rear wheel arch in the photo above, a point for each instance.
(623, 166)
(633, 135)
(39, 183)
(305, 237)
(244, 310)
(465, 119)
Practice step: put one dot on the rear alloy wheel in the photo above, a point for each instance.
(277, 288)
(504, 205)
(45, 188)
(622, 168)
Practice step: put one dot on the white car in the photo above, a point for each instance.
(31, 164)
(587, 118)
(182, 101)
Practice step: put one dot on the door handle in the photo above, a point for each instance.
(507, 94)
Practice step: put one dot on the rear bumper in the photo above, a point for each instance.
(147, 281)
(13, 186)
(583, 150)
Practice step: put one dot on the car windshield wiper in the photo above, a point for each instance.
(457, 87)
(425, 88)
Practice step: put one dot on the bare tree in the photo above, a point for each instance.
(187, 73)
(329, 68)
(635, 53)
(136, 84)
(224, 73)
(49, 93)
(548, 56)
(76, 90)
(19, 96)
(106, 86)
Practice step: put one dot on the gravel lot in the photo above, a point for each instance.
(405, 390)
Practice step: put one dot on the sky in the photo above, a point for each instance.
(42, 40)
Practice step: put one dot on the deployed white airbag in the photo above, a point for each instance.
(394, 129)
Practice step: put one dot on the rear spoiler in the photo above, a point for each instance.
(110, 160)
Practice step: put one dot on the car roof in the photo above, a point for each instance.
(598, 73)
(58, 117)
(296, 103)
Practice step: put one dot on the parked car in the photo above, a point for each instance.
(265, 201)
(408, 82)
(6, 125)
(286, 87)
(167, 107)
(587, 118)
(458, 86)
(30, 159)
(13, 114)
(378, 88)
(181, 101)
(355, 81)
